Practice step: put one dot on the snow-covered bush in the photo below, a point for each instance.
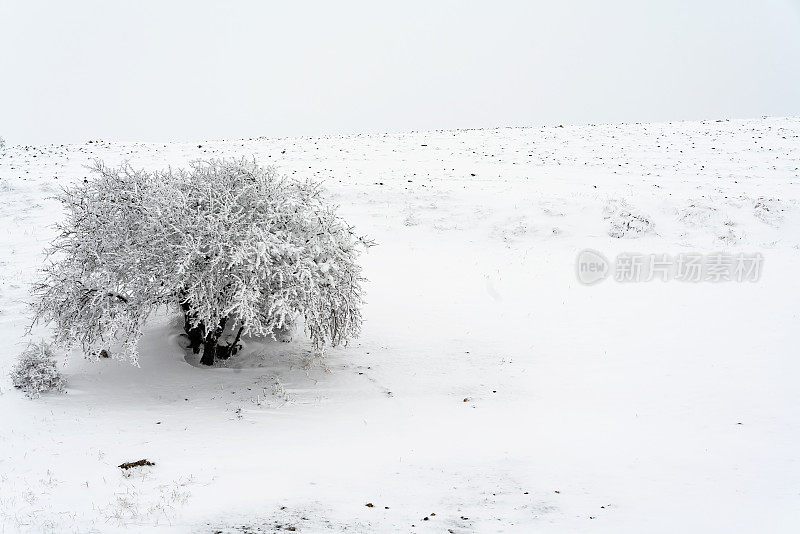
(625, 221)
(2, 142)
(238, 248)
(36, 372)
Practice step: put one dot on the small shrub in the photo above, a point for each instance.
(625, 221)
(36, 372)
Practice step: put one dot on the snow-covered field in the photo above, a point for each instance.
(490, 391)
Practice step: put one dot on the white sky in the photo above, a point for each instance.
(158, 70)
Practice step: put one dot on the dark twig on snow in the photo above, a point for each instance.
(138, 463)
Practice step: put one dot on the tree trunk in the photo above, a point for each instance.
(235, 345)
(211, 343)
(209, 350)
(196, 338)
(196, 333)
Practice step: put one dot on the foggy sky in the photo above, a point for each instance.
(158, 71)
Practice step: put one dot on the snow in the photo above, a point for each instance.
(489, 387)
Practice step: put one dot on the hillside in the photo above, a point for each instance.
(490, 391)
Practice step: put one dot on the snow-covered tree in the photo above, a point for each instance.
(236, 247)
(36, 372)
(2, 142)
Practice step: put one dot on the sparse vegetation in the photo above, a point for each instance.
(36, 371)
